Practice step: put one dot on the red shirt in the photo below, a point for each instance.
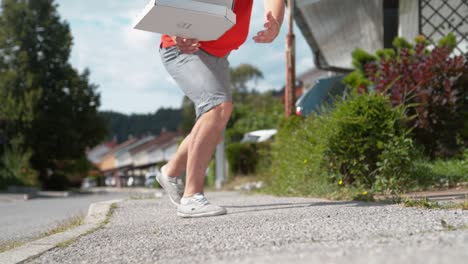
(232, 39)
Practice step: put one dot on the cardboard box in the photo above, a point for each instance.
(199, 19)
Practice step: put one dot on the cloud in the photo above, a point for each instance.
(125, 63)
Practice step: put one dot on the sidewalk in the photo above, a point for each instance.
(19, 196)
(266, 229)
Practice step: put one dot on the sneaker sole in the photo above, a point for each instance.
(207, 214)
(164, 187)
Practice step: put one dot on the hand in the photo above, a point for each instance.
(272, 28)
(187, 46)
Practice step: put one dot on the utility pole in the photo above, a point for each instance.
(290, 90)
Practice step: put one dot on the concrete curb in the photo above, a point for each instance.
(97, 214)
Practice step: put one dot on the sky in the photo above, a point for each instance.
(125, 62)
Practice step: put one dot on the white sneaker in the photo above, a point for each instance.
(198, 206)
(174, 186)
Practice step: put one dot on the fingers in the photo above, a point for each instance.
(188, 46)
(263, 37)
(266, 36)
(271, 30)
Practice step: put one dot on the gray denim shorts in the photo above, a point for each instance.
(203, 78)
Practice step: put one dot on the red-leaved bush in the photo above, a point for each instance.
(432, 84)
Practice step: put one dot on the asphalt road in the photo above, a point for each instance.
(24, 220)
(265, 229)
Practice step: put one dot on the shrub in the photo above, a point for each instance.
(15, 168)
(77, 170)
(259, 111)
(58, 181)
(244, 158)
(429, 82)
(367, 143)
(361, 145)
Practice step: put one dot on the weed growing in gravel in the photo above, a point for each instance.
(65, 225)
(421, 203)
(426, 203)
(446, 225)
(10, 245)
(109, 214)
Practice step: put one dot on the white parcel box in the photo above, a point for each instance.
(200, 19)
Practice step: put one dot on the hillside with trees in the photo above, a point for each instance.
(121, 126)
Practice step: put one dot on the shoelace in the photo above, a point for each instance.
(177, 183)
(201, 199)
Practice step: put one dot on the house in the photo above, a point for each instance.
(108, 161)
(96, 154)
(165, 151)
(124, 156)
(335, 28)
(148, 156)
(304, 81)
(131, 160)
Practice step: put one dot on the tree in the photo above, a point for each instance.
(35, 46)
(259, 111)
(121, 126)
(240, 76)
(188, 115)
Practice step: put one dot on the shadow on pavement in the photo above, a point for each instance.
(279, 206)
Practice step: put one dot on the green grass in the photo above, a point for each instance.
(427, 204)
(441, 173)
(421, 203)
(428, 175)
(109, 214)
(65, 225)
(5, 246)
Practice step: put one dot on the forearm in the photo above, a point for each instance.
(277, 9)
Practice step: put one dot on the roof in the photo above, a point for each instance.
(110, 145)
(334, 28)
(135, 144)
(162, 139)
(121, 146)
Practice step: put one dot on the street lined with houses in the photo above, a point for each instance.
(130, 162)
(267, 229)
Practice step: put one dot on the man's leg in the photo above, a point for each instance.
(177, 165)
(205, 136)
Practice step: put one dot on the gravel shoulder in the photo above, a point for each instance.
(266, 229)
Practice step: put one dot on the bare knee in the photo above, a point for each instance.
(223, 112)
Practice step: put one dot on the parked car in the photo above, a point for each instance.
(322, 92)
(134, 181)
(259, 135)
(88, 183)
(110, 181)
